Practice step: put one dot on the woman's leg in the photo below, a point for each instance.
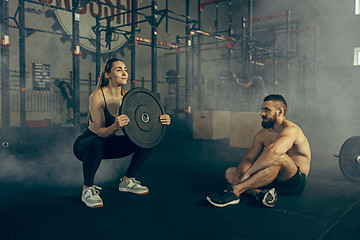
(137, 161)
(89, 150)
(121, 146)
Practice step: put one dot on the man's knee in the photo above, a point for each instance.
(284, 160)
(287, 167)
(230, 171)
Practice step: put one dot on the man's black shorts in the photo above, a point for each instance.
(293, 186)
(70, 103)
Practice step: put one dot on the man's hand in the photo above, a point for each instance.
(236, 178)
(244, 177)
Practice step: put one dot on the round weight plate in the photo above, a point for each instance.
(349, 158)
(144, 111)
(226, 77)
(199, 79)
(171, 77)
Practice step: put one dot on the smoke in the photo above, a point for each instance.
(323, 96)
(55, 167)
(321, 86)
(323, 99)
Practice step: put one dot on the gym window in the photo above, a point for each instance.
(357, 56)
(357, 7)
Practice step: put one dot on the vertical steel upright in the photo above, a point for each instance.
(5, 76)
(76, 63)
(132, 42)
(289, 81)
(315, 69)
(244, 48)
(108, 34)
(154, 47)
(187, 56)
(98, 48)
(192, 61)
(275, 59)
(199, 58)
(250, 29)
(230, 33)
(22, 62)
(177, 98)
(216, 22)
(167, 17)
(90, 83)
(287, 51)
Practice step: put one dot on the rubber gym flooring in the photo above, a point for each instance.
(41, 186)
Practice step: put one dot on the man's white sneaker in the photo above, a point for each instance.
(90, 196)
(268, 197)
(132, 185)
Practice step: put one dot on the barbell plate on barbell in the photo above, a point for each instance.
(171, 77)
(199, 79)
(348, 158)
(226, 77)
(144, 111)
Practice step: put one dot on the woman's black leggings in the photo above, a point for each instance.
(91, 149)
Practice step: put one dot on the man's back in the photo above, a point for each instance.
(65, 88)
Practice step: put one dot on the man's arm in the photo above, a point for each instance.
(245, 85)
(62, 101)
(272, 152)
(249, 158)
(67, 91)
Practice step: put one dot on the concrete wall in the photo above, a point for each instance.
(330, 93)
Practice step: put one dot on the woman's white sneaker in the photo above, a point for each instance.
(132, 185)
(90, 196)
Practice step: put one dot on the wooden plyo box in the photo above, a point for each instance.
(243, 127)
(211, 124)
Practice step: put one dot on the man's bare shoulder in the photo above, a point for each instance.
(262, 132)
(290, 126)
(295, 131)
(261, 135)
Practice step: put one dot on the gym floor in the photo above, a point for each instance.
(40, 197)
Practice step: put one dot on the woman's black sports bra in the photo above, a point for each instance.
(109, 119)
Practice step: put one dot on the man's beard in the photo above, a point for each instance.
(270, 123)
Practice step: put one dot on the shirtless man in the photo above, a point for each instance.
(277, 161)
(67, 93)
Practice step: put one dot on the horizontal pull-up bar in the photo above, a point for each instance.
(297, 31)
(203, 4)
(29, 31)
(105, 28)
(281, 15)
(164, 44)
(227, 40)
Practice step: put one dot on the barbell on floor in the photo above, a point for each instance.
(349, 158)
